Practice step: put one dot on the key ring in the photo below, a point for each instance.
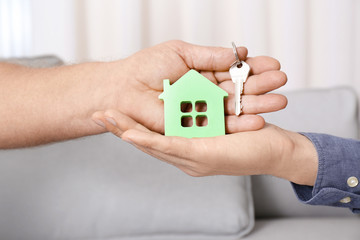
(237, 59)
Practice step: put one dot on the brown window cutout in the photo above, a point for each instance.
(186, 107)
(187, 121)
(200, 106)
(201, 121)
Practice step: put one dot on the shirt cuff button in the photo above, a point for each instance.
(352, 182)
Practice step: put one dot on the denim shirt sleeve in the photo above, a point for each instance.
(339, 159)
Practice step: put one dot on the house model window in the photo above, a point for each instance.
(193, 107)
(200, 114)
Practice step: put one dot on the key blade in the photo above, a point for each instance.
(238, 89)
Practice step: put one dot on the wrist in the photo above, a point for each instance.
(86, 88)
(106, 84)
(299, 160)
(115, 87)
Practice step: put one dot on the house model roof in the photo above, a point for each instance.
(192, 84)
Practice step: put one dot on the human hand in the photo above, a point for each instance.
(144, 73)
(58, 102)
(271, 150)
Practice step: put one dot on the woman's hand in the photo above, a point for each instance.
(270, 150)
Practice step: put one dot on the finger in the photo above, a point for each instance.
(108, 123)
(242, 123)
(123, 121)
(160, 155)
(262, 64)
(97, 117)
(222, 76)
(259, 84)
(209, 75)
(190, 155)
(176, 146)
(207, 58)
(257, 65)
(117, 122)
(253, 104)
(182, 163)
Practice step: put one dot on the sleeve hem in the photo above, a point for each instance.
(321, 156)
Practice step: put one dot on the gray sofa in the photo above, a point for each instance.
(279, 214)
(101, 188)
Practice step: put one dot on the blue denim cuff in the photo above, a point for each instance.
(339, 159)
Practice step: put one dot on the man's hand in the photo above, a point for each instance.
(270, 150)
(53, 104)
(145, 71)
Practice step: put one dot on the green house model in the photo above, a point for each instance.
(193, 107)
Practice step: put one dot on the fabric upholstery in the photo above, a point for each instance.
(100, 187)
(38, 62)
(331, 228)
(330, 111)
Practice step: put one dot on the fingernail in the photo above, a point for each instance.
(110, 120)
(99, 122)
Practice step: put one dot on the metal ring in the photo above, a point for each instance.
(235, 52)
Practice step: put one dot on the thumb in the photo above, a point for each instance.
(207, 58)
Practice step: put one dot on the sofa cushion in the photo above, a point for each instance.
(333, 228)
(331, 111)
(37, 62)
(100, 187)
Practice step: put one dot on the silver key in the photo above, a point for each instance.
(239, 72)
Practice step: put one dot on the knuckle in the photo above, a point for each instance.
(117, 132)
(176, 44)
(110, 112)
(98, 114)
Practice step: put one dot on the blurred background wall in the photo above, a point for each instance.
(316, 41)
